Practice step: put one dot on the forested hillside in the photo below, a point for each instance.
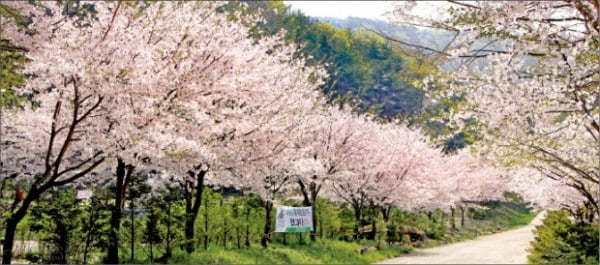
(367, 71)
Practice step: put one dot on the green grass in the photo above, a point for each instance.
(320, 252)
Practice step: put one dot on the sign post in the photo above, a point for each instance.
(293, 219)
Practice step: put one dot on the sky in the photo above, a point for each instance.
(342, 9)
(366, 9)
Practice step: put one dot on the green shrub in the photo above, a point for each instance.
(33, 257)
(560, 241)
(435, 230)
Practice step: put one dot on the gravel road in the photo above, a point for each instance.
(508, 247)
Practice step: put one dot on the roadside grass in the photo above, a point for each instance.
(322, 251)
(319, 252)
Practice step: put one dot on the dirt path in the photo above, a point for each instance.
(508, 247)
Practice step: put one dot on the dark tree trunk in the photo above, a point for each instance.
(462, 216)
(62, 243)
(206, 225)
(9, 238)
(12, 222)
(132, 230)
(89, 233)
(452, 220)
(386, 211)
(314, 190)
(266, 238)
(225, 230)
(151, 253)
(247, 242)
(192, 206)
(320, 228)
(374, 230)
(124, 173)
(310, 199)
(168, 249)
(357, 219)
(237, 237)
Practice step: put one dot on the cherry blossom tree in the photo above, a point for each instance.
(529, 72)
(63, 156)
(327, 146)
(263, 158)
(381, 158)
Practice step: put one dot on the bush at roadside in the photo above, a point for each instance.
(561, 241)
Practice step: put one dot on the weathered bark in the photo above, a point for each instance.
(266, 238)
(124, 175)
(192, 205)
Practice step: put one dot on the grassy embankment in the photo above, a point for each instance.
(320, 252)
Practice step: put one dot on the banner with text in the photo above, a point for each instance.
(293, 219)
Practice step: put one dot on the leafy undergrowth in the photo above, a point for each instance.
(320, 252)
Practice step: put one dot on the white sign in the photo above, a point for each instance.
(84, 194)
(293, 219)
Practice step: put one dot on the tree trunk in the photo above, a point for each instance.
(132, 230)
(237, 236)
(225, 235)
(13, 221)
(63, 242)
(151, 253)
(320, 228)
(206, 225)
(311, 201)
(247, 239)
(123, 180)
(168, 249)
(113, 235)
(357, 219)
(386, 211)
(374, 225)
(462, 216)
(9, 238)
(192, 206)
(313, 196)
(452, 220)
(267, 231)
(89, 233)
